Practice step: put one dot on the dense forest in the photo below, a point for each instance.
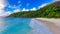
(50, 11)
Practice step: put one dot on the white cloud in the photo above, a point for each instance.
(12, 6)
(6, 14)
(42, 6)
(1, 12)
(33, 9)
(25, 9)
(17, 10)
(2, 5)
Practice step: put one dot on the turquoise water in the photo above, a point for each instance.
(22, 26)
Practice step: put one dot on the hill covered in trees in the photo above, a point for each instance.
(50, 11)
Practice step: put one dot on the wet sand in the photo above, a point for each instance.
(52, 24)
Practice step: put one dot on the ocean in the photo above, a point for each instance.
(22, 26)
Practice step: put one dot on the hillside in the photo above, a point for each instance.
(50, 11)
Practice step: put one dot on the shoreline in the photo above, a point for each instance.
(51, 23)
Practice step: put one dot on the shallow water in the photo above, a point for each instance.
(22, 26)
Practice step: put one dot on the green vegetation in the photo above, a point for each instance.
(49, 11)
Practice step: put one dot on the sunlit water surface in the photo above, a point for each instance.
(22, 26)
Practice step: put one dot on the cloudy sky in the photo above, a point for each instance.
(10, 6)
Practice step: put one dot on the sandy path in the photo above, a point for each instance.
(52, 24)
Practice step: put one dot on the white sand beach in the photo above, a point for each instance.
(51, 23)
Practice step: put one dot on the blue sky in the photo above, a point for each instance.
(27, 4)
(11, 6)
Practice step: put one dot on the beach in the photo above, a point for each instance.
(51, 23)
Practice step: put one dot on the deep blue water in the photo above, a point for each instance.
(22, 26)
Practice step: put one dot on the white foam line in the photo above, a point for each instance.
(39, 28)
